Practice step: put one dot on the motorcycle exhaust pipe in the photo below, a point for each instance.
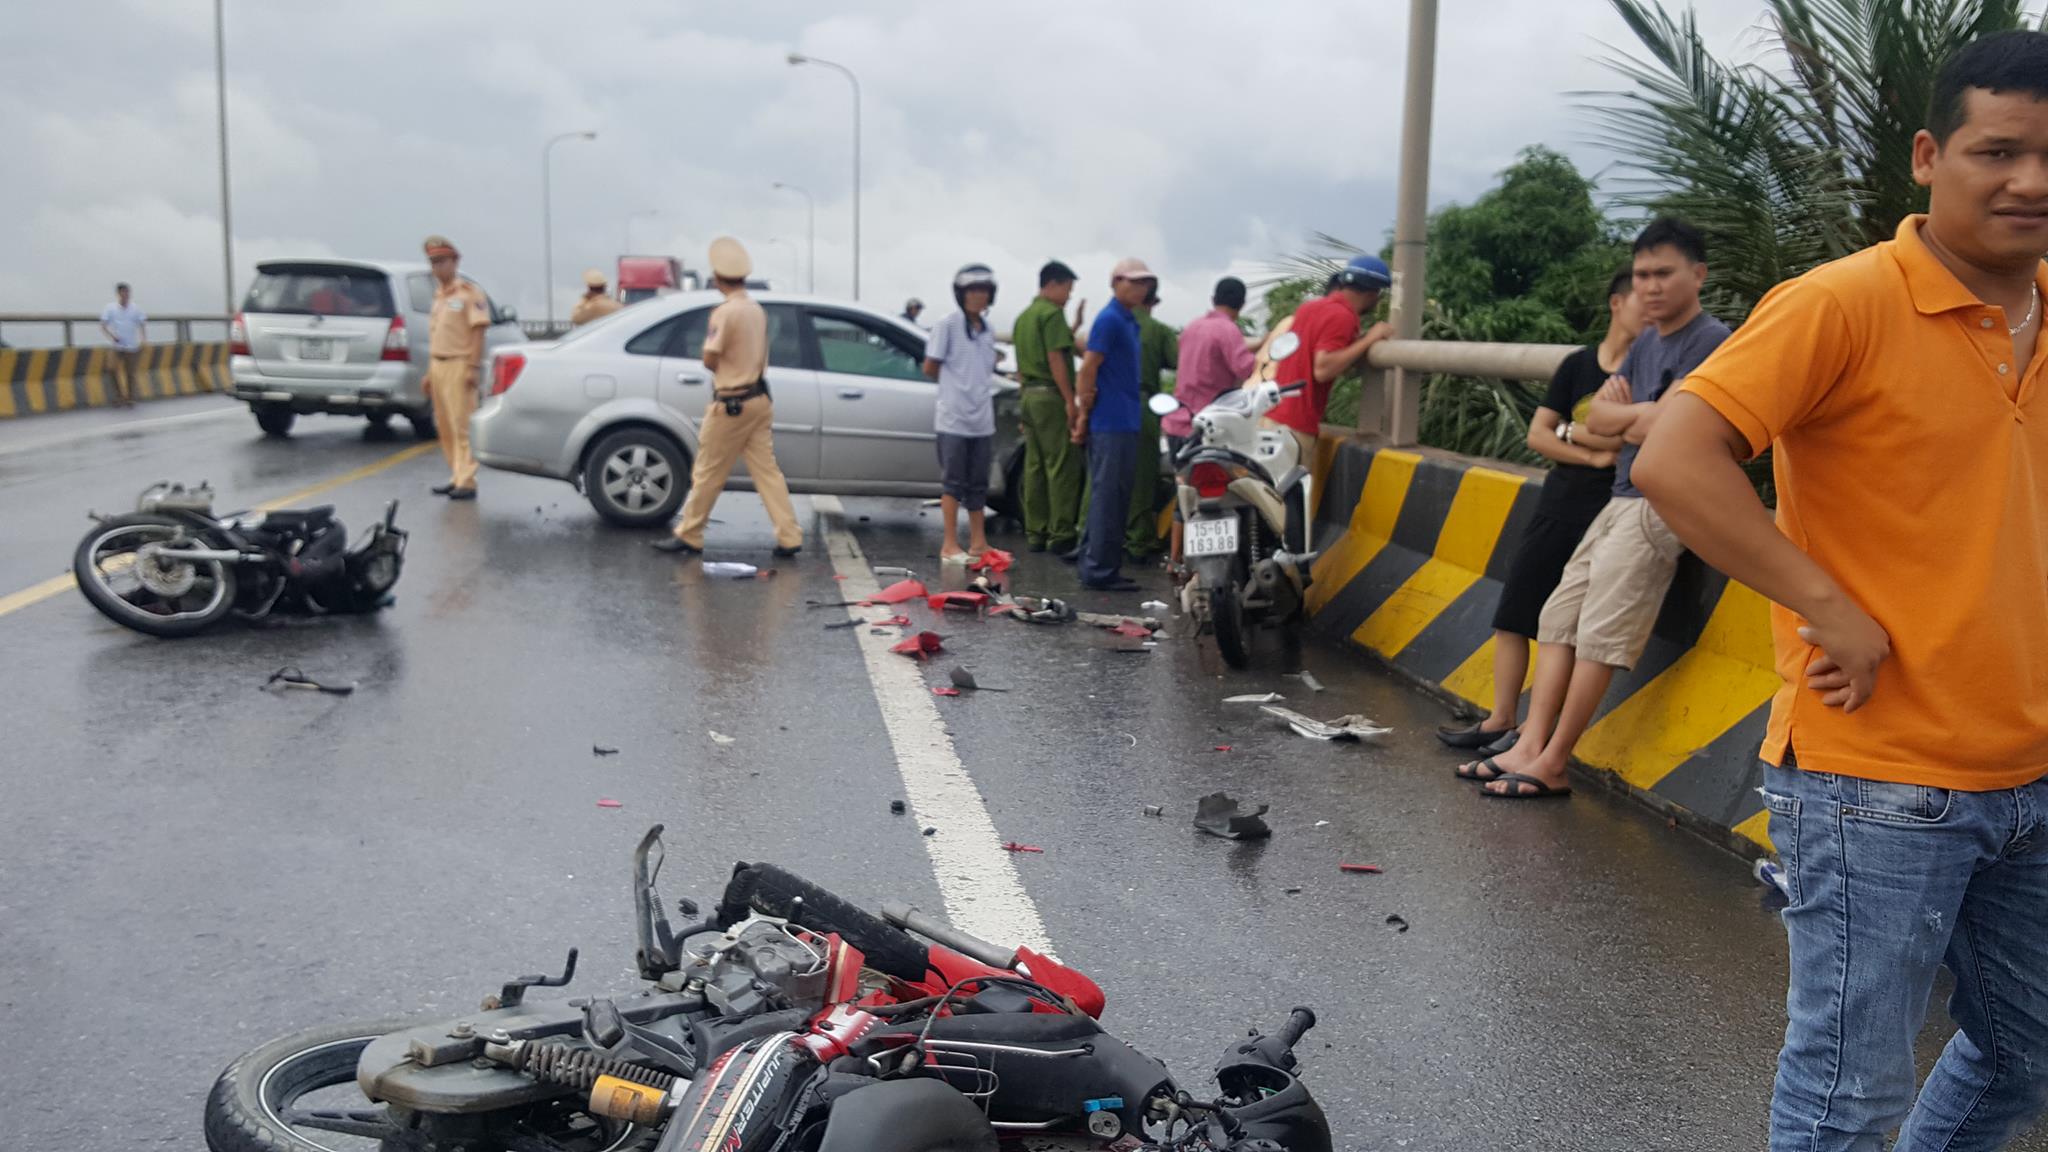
(910, 919)
(206, 555)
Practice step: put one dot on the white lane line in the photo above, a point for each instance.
(115, 428)
(983, 893)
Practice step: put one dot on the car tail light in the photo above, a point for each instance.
(238, 337)
(397, 342)
(1210, 479)
(505, 370)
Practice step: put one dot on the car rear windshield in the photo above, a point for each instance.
(320, 290)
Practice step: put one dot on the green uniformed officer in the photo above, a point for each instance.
(1053, 470)
(1158, 354)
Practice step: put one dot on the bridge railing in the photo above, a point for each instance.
(82, 329)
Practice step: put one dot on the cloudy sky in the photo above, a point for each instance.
(1198, 134)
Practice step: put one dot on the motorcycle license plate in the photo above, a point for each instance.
(316, 347)
(1212, 537)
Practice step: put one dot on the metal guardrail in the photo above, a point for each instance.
(67, 323)
(542, 330)
(1459, 358)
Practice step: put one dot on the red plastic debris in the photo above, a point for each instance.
(839, 576)
(1372, 868)
(609, 803)
(923, 645)
(993, 560)
(963, 601)
(898, 593)
(1223, 748)
(894, 622)
(1013, 846)
(1134, 631)
(942, 690)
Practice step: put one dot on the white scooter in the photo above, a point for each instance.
(1244, 495)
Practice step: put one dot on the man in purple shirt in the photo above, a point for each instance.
(1214, 360)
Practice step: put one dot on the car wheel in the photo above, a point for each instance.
(275, 419)
(422, 423)
(1009, 505)
(379, 427)
(636, 477)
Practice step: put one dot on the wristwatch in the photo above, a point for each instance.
(1564, 431)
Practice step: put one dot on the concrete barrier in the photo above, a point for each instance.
(56, 379)
(1415, 546)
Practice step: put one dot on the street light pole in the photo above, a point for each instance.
(800, 58)
(547, 220)
(1402, 413)
(811, 262)
(227, 227)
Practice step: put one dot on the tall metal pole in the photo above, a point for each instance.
(227, 226)
(547, 219)
(811, 261)
(800, 58)
(1411, 219)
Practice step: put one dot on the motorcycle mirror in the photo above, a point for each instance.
(1284, 345)
(1163, 404)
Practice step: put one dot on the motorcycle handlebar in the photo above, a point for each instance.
(1291, 389)
(1298, 1023)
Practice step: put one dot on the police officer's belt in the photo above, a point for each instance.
(1037, 384)
(734, 401)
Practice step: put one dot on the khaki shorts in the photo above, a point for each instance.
(1612, 589)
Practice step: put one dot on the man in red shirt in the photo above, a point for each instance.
(1330, 345)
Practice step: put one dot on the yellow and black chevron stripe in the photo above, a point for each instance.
(56, 379)
(1414, 549)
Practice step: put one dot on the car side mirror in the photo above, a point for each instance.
(508, 315)
(1163, 404)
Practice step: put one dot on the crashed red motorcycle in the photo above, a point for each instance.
(785, 1019)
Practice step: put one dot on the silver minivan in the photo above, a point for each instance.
(341, 336)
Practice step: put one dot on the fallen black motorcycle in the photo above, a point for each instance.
(171, 568)
(784, 1020)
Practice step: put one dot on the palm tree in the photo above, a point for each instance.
(1795, 158)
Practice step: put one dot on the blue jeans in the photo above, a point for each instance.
(1889, 881)
(1112, 466)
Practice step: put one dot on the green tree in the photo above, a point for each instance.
(1786, 165)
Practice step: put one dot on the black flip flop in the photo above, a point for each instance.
(1535, 790)
(1472, 737)
(1477, 764)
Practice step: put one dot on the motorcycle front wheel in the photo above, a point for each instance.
(298, 1093)
(116, 569)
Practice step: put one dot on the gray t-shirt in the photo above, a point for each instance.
(1655, 362)
(967, 375)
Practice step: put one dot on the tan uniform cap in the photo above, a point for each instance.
(593, 279)
(729, 260)
(440, 245)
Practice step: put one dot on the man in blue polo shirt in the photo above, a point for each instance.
(1108, 423)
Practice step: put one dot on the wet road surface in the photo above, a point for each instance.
(190, 865)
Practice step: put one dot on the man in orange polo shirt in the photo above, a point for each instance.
(1909, 569)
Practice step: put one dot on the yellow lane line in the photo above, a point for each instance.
(57, 585)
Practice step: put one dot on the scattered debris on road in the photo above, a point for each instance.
(1221, 748)
(962, 678)
(730, 570)
(1154, 810)
(608, 802)
(1263, 698)
(1351, 727)
(1218, 814)
(289, 676)
(721, 738)
(894, 573)
(900, 592)
(929, 831)
(1308, 680)
(942, 690)
(1292, 891)
(1153, 606)
(959, 601)
(1013, 846)
(1399, 924)
(993, 560)
(921, 646)
(1373, 869)
(1039, 610)
(601, 750)
(898, 807)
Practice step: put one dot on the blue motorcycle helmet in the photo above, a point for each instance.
(1363, 274)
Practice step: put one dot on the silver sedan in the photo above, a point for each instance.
(613, 407)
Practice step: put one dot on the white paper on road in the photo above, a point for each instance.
(978, 879)
(1353, 727)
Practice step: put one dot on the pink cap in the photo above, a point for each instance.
(1131, 268)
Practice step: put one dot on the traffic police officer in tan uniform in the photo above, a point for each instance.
(741, 417)
(594, 303)
(455, 350)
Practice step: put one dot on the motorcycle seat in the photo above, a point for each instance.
(302, 520)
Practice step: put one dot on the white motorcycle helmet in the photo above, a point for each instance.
(974, 276)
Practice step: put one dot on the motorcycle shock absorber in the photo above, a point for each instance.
(619, 1088)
